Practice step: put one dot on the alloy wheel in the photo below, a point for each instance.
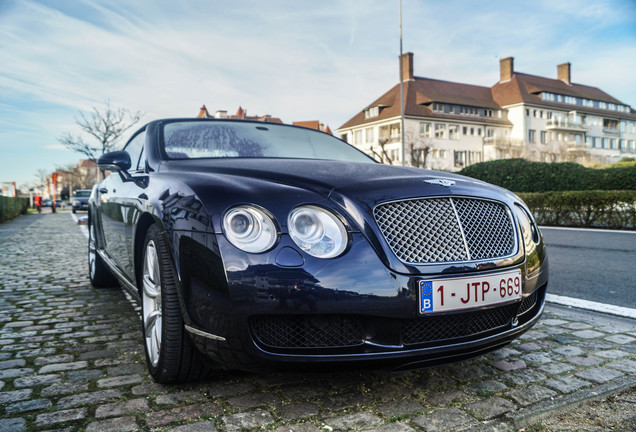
(151, 299)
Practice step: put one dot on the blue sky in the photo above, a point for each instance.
(295, 60)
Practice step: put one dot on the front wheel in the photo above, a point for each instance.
(170, 354)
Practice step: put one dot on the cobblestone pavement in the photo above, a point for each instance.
(71, 358)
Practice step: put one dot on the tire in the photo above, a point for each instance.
(74, 211)
(170, 354)
(100, 275)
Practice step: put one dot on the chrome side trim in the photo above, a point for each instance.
(203, 334)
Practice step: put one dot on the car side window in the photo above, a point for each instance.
(135, 149)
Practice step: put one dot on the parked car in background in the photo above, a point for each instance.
(49, 203)
(256, 245)
(80, 199)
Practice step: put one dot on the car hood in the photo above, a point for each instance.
(352, 189)
(367, 181)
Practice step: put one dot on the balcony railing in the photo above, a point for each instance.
(497, 141)
(567, 124)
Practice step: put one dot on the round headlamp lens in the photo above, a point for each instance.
(250, 229)
(317, 231)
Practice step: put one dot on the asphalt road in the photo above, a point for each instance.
(592, 265)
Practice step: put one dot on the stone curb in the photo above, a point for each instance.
(534, 414)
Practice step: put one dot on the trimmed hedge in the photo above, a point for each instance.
(12, 207)
(589, 209)
(520, 175)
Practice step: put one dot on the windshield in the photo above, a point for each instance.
(243, 139)
(82, 194)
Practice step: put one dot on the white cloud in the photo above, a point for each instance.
(324, 60)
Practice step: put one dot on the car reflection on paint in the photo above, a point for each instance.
(259, 246)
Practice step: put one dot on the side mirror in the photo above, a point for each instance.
(114, 161)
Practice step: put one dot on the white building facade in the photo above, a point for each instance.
(450, 125)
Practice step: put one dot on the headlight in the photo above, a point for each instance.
(528, 226)
(317, 231)
(249, 228)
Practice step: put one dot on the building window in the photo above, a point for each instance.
(613, 143)
(479, 131)
(489, 133)
(372, 112)
(460, 158)
(370, 135)
(394, 132)
(621, 145)
(527, 112)
(631, 147)
(440, 130)
(357, 137)
(425, 130)
(472, 131)
(548, 115)
(475, 157)
(605, 143)
(532, 135)
(453, 132)
(465, 130)
(442, 154)
(544, 137)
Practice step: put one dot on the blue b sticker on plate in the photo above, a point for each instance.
(426, 296)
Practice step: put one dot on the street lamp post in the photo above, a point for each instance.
(401, 91)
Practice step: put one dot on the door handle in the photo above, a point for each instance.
(103, 190)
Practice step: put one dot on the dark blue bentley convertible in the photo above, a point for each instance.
(255, 245)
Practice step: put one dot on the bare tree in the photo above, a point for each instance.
(79, 177)
(41, 175)
(419, 149)
(383, 155)
(104, 127)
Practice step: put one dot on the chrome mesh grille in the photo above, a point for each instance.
(430, 230)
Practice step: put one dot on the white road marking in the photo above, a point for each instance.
(592, 306)
(82, 228)
(587, 230)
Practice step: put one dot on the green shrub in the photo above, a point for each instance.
(12, 207)
(520, 175)
(598, 208)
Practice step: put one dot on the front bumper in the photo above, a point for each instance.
(245, 312)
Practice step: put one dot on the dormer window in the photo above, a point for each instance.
(372, 112)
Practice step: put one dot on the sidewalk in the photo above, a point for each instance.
(71, 357)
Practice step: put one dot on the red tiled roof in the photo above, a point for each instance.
(420, 93)
(524, 88)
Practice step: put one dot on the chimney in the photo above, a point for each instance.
(506, 69)
(563, 73)
(407, 66)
